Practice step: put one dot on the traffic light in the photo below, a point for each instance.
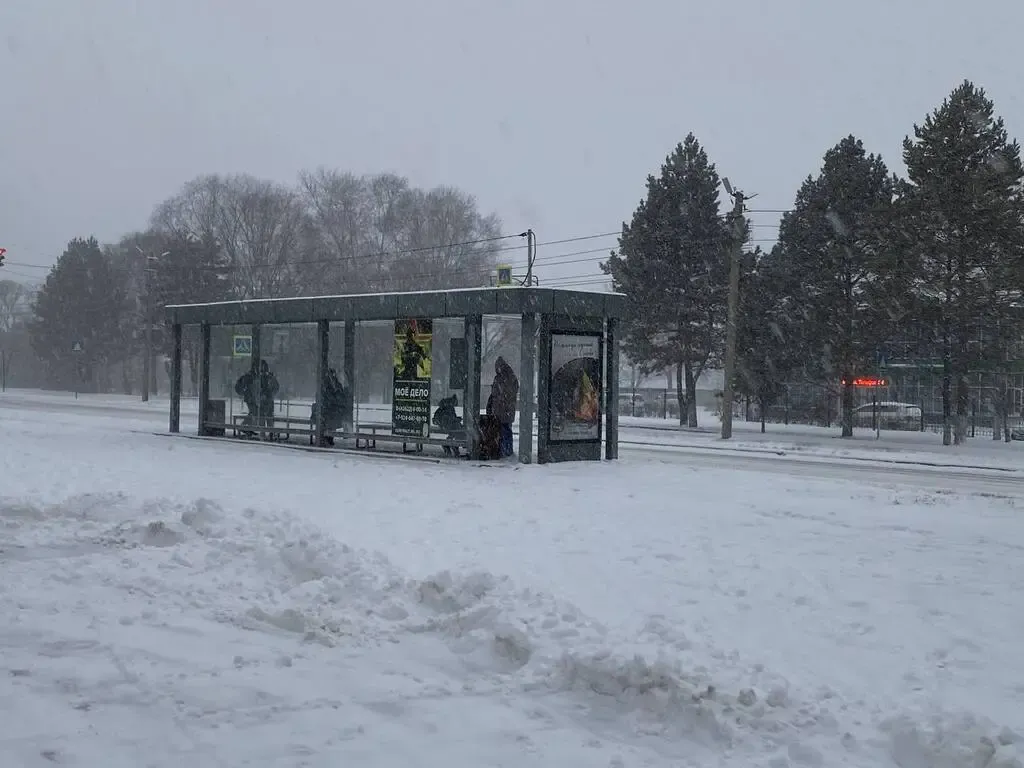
(2, 252)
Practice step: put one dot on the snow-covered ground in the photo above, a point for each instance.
(172, 601)
(794, 441)
(801, 440)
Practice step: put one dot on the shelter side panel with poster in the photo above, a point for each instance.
(413, 364)
(575, 388)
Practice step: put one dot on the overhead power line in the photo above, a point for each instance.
(439, 247)
(546, 259)
(377, 255)
(487, 240)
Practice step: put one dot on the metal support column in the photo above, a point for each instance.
(175, 420)
(471, 405)
(527, 370)
(204, 376)
(611, 388)
(257, 355)
(349, 371)
(323, 350)
(543, 390)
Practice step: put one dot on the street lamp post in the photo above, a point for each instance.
(531, 255)
(147, 360)
(736, 222)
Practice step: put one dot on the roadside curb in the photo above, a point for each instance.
(816, 457)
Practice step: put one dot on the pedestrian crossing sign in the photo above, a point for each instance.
(241, 346)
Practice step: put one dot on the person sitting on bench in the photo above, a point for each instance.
(448, 421)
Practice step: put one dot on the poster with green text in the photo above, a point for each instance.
(410, 404)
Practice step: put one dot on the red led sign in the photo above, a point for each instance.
(866, 382)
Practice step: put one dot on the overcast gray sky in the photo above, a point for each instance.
(551, 113)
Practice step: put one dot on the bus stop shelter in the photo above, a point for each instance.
(568, 362)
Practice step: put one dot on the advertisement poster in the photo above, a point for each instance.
(410, 405)
(575, 388)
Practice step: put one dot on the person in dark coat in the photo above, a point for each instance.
(503, 402)
(245, 388)
(268, 388)
(447, 420)
(335, 405)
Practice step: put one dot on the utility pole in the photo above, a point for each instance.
(147, 311)
(735, 257)
(531, 255)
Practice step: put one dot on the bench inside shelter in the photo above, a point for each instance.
(365, 434)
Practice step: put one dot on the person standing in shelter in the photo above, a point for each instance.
(335, 406)
(268, 388)
(503, 402)
(245, 388)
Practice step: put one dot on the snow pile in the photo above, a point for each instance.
(944, 741)
(617, 685)
(124, 569)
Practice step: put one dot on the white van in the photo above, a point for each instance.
(891, 415)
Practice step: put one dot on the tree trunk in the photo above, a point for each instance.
(847, 414)
(963, 402)
(681, 394)
(998, 404)
(1004, 396)
(947, 392)
(691, 395)
(153, 377)
(1005, 393)
(762, 408)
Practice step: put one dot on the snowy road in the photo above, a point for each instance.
(877, 474)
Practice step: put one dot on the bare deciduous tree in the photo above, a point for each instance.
(13, 303)
(257, 224)
(259, 232)
(340, 211)
(379, 234)
(444, 234)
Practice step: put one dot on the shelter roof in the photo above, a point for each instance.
(390, 306)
